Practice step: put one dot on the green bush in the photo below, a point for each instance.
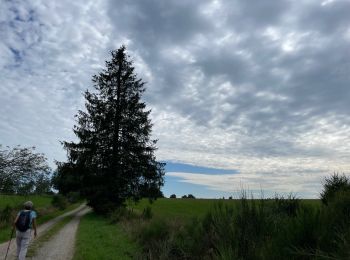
(157, 230)
(239, 230)
(147, 213)
(334, 184)
(59, 201)
(193, 240)
(191, 196)
(6, 215)
(120, 214)
(73, 197)
(335, 224)
(155, 239)
(288, 206)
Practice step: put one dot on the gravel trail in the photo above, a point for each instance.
(41, 229)
(61, 245)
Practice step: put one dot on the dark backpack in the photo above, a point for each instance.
(23, 221)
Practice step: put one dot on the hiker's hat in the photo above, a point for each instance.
(28, 204)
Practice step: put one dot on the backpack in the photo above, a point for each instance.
(23, 221)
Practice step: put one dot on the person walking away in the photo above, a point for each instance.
(24, 223)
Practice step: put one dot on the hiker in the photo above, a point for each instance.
(24, 222)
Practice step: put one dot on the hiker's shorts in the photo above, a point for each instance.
(22, 239)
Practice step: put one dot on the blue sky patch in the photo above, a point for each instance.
(182, 167)
(175, 185)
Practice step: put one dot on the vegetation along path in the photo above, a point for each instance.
(65, 238)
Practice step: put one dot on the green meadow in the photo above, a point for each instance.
(279, 228)
(276, 228)
(98, 238)
(16, 201)
(178, 208)
(11, 204)
(190, 208)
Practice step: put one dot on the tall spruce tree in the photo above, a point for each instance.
(114, 158)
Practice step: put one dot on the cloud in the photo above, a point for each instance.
(261, 88)
(258, 185)
(49, 51)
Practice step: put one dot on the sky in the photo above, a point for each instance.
(244, 94)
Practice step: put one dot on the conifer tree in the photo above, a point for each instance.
(114, 157)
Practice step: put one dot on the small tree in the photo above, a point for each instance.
(332, 185)
(67, 178)
(43, 185)
(172, 196)
(190, 196)
(114, 156)
(22, 170)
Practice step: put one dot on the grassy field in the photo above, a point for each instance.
(133, 233)
(180, 228)
(42, 205)
(279, 228)
(114, 240)
(189, 208)
(16, 201)
(179, 208)
(99, 239)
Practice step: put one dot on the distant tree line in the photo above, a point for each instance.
(23, 171)
(189, 196)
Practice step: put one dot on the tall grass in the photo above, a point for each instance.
(279, 228)
(246, 228)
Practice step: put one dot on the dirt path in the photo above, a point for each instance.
(61, 246)
(41, 230)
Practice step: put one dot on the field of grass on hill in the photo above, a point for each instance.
(178, 208)
(193, 208)
(42, 205)
(116, 241)
(16, 201)
(98, 238)
(279, 228)
(133, 229)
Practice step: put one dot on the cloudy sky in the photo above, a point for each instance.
(244, 94)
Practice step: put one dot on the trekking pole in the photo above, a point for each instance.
(13, 229)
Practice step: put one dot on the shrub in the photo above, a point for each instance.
(154, 238)
(172, 196)
(121, 213)
(73, 197)
(299, 232)
(335, 224)
(59, 201)
(6, 215)
(288, 206)
(189, 196)
(238, 231)
(192, 241)
(118, 214)
(147, 213)
(332, 185)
